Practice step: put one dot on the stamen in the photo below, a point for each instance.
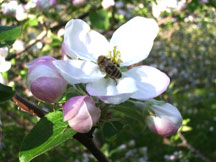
(115, 56)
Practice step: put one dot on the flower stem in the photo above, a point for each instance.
(87, 140)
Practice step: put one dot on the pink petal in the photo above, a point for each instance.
(48, 89)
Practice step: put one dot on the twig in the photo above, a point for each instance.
(40, 37)
(191, 148)
(28, 107)
(86, 138)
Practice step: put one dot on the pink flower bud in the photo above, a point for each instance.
(44, 80)
(81, 113)
(166, 120)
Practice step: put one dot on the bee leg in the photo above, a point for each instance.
(115, 81)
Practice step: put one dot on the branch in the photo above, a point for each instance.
(40, 37)
(86, 138)
(28, 106)
(191, 148)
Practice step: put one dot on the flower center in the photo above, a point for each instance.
(115, 56)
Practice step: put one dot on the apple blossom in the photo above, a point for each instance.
(81, 113)
(18, 10)
(4, 65)
(130, 44)
(165, 120)
(10, 7)
(107, 3)
(44, 81)
(45, 3)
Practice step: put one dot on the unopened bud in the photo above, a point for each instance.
(165, 121)
(81, 113)
(44, 80)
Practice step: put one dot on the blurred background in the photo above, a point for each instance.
(185, 49)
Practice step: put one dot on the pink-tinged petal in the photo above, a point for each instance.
(170, 112)
(108, 87)
(78, 71)
(134, 39)
(43, 61)
(84, 42)
(41, 71)
(72, 106)
(161, 126)
(66, 53)
(81, 113)
(166, 119)
(44, 80)
(93, 110)
(48, 89)
(115, 99)
(82, 122)
(150, 81)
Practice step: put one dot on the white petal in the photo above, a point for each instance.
(150, 81)
(115, 99)
(108, 87)
(2, 79)
(4, 65)
(78, 71)
(3, 52)
(134, 39)
(84, 42)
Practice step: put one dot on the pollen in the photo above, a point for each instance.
(115, 56)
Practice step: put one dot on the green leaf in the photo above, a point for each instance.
(8, 35)
(49, 132)
(31, 22)
(110, 129)
(130, 110)
(5, 92)
(99, 19)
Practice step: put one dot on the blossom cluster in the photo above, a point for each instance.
(20, 10)
(130, 44)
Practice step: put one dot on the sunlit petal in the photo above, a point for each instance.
(134, 39)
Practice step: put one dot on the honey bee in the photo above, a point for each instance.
(109, 67)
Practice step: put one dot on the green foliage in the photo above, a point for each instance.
(5, 92)
(184, 49)
(8, 35)
(49, 132)
(111, 129)
(99, 19)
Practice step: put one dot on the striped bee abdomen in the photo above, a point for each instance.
(112, 71)
(110, 68)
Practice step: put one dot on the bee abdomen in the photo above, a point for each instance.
(112, 71)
